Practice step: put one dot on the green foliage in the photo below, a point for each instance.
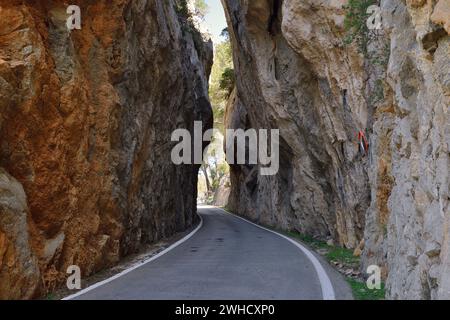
(50, 296)
(339, 255)
(370, 44)
(181, 8)
(215, 169)
(201, 8)
(227, 81)
(188, 17)
(332, 253)
(377, 93)
(361, 292)
(312, 242)
(355, 24)
(218, 93)
(343, 256)
(381, 58)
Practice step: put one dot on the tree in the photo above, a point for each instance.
(227, 82)
(225, 34)
(200, 9)
(222, 61)
(214, 168)
(191, 9)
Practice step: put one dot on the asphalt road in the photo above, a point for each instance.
(227, 258)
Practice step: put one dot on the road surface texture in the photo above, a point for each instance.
(227, 258)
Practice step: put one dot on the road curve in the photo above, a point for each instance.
(227, 258)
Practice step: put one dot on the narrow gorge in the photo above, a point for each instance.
(86, 118)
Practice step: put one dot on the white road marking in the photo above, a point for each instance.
(101, 283)
(325, 282)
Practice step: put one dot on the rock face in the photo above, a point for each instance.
(303, 81)
(85, 123)
(413, 170)
(294, 73)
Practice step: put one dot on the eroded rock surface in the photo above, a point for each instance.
(85, 124)
(19, 272)
(295, 73)
(303, 81)
(415, 246)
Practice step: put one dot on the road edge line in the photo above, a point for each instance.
(124, 272)
(325, 281)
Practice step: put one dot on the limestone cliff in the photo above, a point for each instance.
(295, 73)
(85, 123)
(407, 226)
(281, 50)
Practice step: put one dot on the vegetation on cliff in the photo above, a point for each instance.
(215, 171)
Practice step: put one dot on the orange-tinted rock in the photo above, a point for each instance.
(416, 3)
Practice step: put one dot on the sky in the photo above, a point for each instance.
(215, 19)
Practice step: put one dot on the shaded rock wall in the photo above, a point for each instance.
(85, 124)
(303, 81)
(19, 271)
(408, 224)
(294, 73)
